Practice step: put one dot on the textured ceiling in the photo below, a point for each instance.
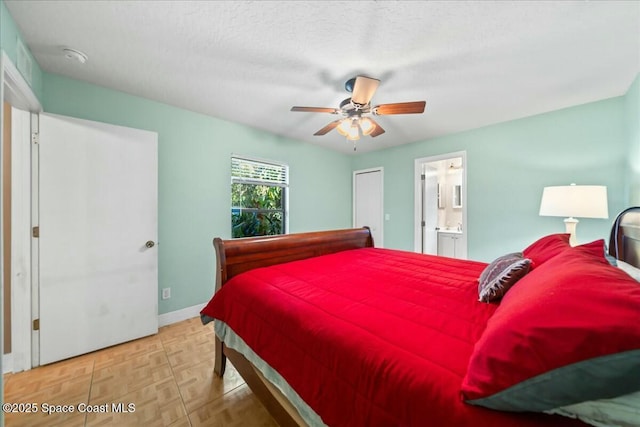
(475, 63)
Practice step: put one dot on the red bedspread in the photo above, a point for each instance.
(369, 337)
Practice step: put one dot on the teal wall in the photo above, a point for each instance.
(194, 156)
(508, 165)
(9, 36)
(632, 119)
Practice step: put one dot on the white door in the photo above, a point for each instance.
(368, 202)
(430, 211)
(97, 211)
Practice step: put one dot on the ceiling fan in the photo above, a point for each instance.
(356, 109)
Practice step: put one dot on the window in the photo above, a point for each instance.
(258, 197)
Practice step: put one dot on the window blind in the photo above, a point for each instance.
(252, 171)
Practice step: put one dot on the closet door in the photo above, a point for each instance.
(368, 202)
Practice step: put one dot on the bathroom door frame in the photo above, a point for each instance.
(418, 202)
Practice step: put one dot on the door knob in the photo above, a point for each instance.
(150, 244)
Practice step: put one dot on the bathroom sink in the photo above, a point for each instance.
(450, 230)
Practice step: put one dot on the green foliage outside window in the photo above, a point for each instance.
(258, 194)
(257, 210)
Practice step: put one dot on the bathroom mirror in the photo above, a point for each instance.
(456, 199)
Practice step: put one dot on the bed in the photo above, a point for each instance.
(326, 329)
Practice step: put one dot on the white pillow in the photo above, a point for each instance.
(629, 269)
(623, 411)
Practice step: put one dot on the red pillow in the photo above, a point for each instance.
(546, 248)
(568, 332)
(595, 248)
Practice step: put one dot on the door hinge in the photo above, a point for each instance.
(36, 231)
(35, 138)
(423, 177)
(36, 324)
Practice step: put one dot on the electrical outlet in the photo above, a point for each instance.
(166, 293)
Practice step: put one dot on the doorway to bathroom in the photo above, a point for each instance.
(440, 205)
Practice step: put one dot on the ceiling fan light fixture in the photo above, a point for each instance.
(366, 125)
(354, 132)
(344, 126)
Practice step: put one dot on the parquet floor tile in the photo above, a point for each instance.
(182, 422)
(123, 378)
(127, 351)
(237, 408)
(158, 404)
(191, 351)
(47, 376)
(199, 385)
(184, 330)
(167, 378)
(73, 392)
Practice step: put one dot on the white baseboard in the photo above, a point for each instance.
(180, 315)
(7, 363)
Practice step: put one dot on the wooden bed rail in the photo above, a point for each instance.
(235, 256)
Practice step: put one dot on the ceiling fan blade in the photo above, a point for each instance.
(416, 107)
(315, 110)
(363, 90)
(377, 131)
(328, 128)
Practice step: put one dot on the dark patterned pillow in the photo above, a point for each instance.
(502, 274)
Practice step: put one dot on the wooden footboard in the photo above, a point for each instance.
(236, 256)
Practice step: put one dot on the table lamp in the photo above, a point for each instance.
(571, 201)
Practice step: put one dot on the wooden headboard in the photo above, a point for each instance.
(624, 242)
(236, 256)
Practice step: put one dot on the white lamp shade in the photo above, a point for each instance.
(581, 201)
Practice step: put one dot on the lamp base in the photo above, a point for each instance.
(570, 227)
